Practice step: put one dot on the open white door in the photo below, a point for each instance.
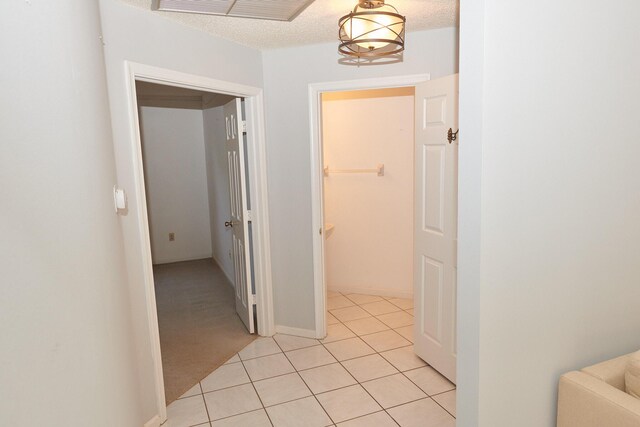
(436, 224)
(239, 213)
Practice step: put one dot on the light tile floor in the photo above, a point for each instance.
(364, 373)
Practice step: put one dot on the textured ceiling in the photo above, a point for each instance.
(317, 24)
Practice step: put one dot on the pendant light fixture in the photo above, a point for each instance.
(373, 30)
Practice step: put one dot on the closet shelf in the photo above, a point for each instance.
(379, 170)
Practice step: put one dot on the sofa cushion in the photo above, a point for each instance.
(632, 376)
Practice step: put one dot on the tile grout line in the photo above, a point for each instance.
(401, 372)
(255, 389)
(361, 386)
(206, 407)
(357, 382)
(307, 385)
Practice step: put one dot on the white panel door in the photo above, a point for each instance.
(239, 213)
(436, 218)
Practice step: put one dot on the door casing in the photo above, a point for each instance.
(317, 175)
(254, 102)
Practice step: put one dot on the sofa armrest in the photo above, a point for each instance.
(585, 401)
(611, 371)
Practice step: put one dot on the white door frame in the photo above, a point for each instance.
(254, 104)
(317, 174)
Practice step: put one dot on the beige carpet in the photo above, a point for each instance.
(199, 327)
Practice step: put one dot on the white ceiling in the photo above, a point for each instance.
(317, 24)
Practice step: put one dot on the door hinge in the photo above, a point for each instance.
(254, 299)
(244, 125)
(249, 216)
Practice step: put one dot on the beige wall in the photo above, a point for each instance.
(176, 183)
(66, 342)
(135, 34)
(370, 249)
(287, 75)
(550, 200)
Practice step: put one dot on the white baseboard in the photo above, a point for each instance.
(153, 422)
(172, 260)
(370, 291)
(220, 265)
(298, 332)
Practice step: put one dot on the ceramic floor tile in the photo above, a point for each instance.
(331, 294)
(347, 403)
(281, 389)
(339, 301)
(257, 418)
(393, 390)
(225, 376)
(429, 380)
(379, 419)
(406, 332)
(397, 319)
(268, 366)
(447, 401)
(310, 357)
(386, 340)
(403, 358)
(363, 299)
(187, 412)
(193, 391)
(380, 307)
(331, 319)
(423, 413)
(290, 342)
(366, 326)
(349, 349)
(258, 348)
(304, 412)
(350, 313)
(234, 359)
(327, 378)
(369, 367)
(410, 311)
(232, 401)
(403, 303)
(337, 332)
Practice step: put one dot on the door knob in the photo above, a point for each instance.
(228, 223)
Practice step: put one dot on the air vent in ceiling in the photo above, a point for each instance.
(277, 10)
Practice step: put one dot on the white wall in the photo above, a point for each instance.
(176, 183)
(67, 345)
(559, 197)
(287, 74)
(218, 185)
(370, 250)
(137, 35)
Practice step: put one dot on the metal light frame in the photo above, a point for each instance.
(350, 47)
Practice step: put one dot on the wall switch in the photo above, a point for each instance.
(172, 237)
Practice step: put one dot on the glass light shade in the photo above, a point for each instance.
(372, 31)
(366, 28)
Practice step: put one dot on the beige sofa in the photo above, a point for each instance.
(596, 397)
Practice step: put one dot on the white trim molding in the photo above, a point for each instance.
(317, 174)
(298, 332)
(153, 422)
(258, 189)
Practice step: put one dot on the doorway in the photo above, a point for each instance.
(433, 223)
(248, 122)
(197, 266)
